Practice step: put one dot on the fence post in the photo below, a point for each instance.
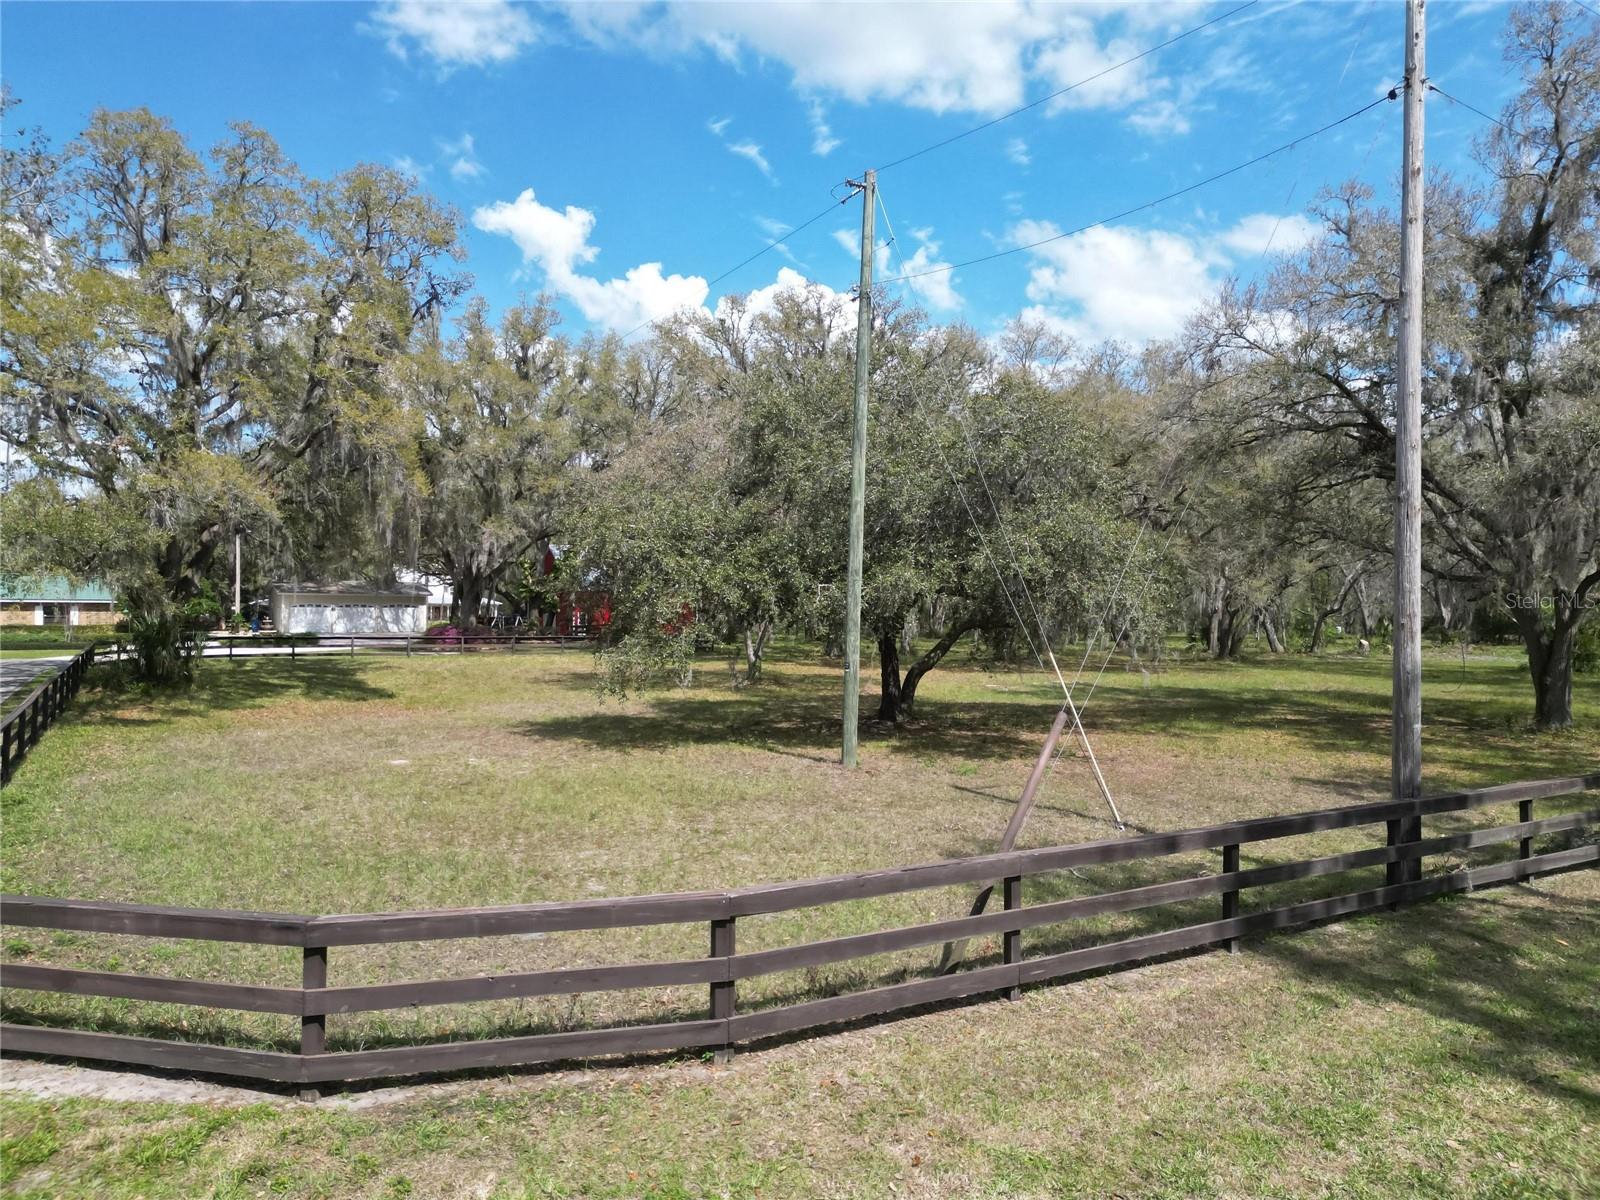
(5, 754)
(313, 1028)
(1525, 813)
(1230, 899)
(722, 997)
(352, 645)
(1011, 940)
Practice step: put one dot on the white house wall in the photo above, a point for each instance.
(301, 613)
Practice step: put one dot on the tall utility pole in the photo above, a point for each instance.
(236, 560)
(1407, 747)
(858, 475)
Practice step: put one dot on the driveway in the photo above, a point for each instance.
(19, 675)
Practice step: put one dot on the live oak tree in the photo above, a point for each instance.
(1511, 470)
(202, 339)
(499, 415)
(990, 508)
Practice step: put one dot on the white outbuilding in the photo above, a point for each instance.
(348, 608)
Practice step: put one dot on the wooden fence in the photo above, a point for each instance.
(392, 643)
(38, 712)
(724, 966)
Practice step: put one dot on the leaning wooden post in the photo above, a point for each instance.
(722, 994)
(1011, 942)
(1230, 899)
(313, 1026)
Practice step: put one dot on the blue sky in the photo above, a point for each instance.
(623, 155)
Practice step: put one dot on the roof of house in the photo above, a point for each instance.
(351, 587)
(53, 589)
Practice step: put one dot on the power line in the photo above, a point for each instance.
(943, 268)
(1100, 74)
(745, 262)
(1433, 87)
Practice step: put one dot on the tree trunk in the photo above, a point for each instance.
(1274, 643)
(899, 696)
(755, 644)
(1318, 629)
(1238, 628)
(889, 672)
(1216, 633)
(1550, 665)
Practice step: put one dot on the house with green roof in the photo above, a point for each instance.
(55, 600)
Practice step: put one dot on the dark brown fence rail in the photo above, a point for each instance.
(25, 723)
(408, 644)
(315, 1000)
(398, 643)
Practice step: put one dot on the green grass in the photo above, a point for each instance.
(1446, 1050)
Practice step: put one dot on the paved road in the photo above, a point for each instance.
(19, 675)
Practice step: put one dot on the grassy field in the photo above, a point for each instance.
(1450, 1049)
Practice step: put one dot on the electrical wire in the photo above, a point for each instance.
(943, 268)
(745, 262)
(1433, 87)
(1100, 74)
(905, 158)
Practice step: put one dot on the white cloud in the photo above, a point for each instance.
(951, 57)
(1160, 117)
(558, 242)
(455, 33)
(823, 143)
(764, 300)
(934, 286)
(463, 161)
(752, 152)
(407, 165)
(1080, 55)
(748, 150)
(935, 290)
(1017, 152)
(1263, 232)
(1136, 285)
(775, 229)
(1125, 284)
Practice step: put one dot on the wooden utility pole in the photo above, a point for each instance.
(236, 608)
(1407, 746)
(858, 475)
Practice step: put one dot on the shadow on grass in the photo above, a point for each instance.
(1319, 703)
(1474, 977)
(112, 699)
